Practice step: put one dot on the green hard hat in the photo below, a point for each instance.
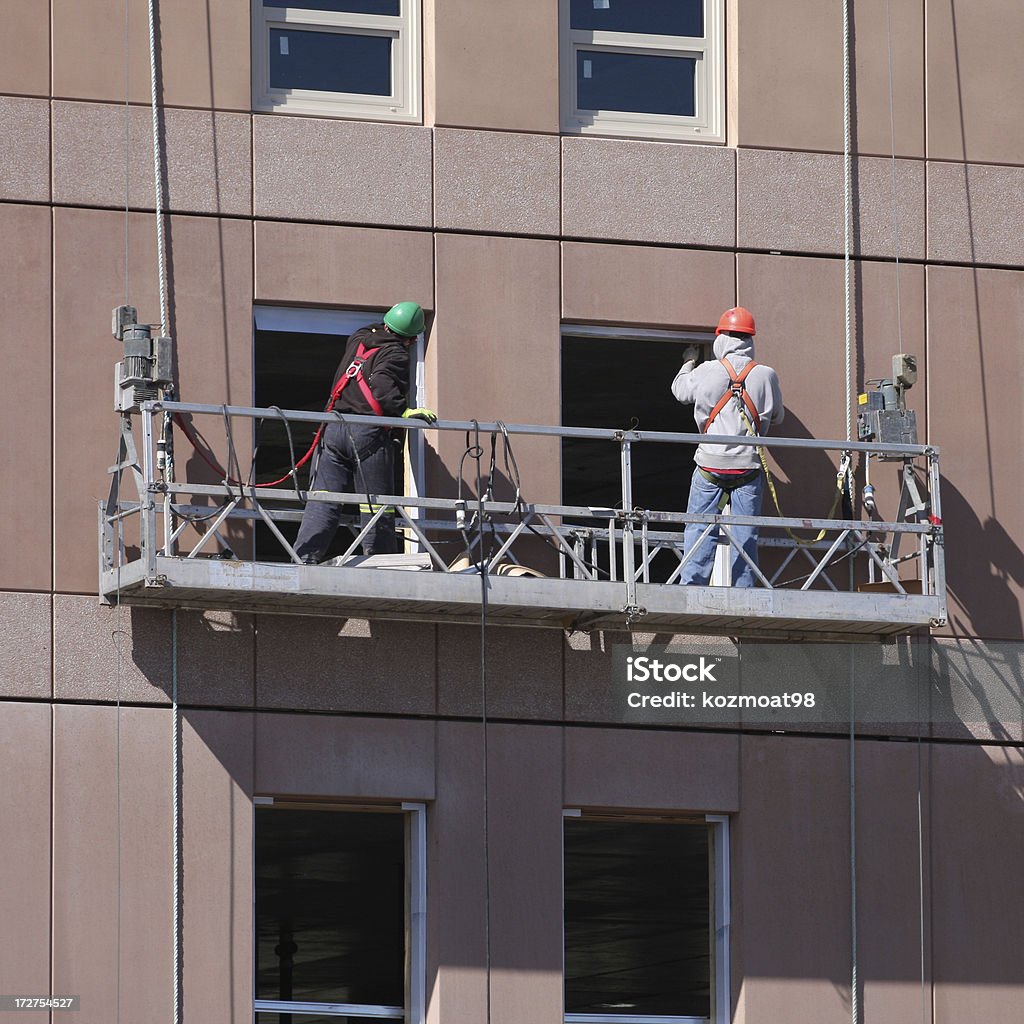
(405, 318)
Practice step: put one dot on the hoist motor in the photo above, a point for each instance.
(146, 367)
(883, 416)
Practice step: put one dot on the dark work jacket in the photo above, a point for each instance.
(386, 372)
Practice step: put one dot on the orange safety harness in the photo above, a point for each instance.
(737, 390)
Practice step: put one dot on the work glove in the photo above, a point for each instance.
(427, 415)
(691, 354)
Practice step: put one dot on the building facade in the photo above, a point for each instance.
(494, 163)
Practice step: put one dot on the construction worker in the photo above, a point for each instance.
(734, 396)
(372, 379)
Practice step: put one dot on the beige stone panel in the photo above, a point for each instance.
(790, 856)
(208, 158)
(25, 849)
(494, 351)
(523, 672)
(204, 52)
(647, 286)
(525, 842)
(217, 864)
(345, 665)
(973, 73)
(327, 265)
(25, 48)
(661, 192)
(24, 149)
(25, 526)
(524, 818)
(338, 756)
(109, 653)
(112, 863)
(977, 842)
(790, 76)
(357, 172)
(975, 320)
(494, 66)
(456, 895)
(103, 652)
(794, 202)
(888, 881)
(210, 275)
(672, 771)
(977, 690)
(797, 304)
(974, 213)
(25, 645)
(496, 181)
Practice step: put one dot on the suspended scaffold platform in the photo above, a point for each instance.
(603, 568)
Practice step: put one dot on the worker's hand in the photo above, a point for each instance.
(691, 354)
(427, 415)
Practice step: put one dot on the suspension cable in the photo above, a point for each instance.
(158, 192)
(158, 170)
(847, 297)
(895, 205)
(847, 220)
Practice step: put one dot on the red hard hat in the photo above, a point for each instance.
(737, 319)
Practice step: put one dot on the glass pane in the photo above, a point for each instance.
(388, 7)
(637, 919)
(636, 82)
(330, 906)
(330, 62)
(650, 17)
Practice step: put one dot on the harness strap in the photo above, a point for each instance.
(354, 371)
(737, 390)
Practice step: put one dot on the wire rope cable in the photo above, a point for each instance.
(158, 174)
(848, 337)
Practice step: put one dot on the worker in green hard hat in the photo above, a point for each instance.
(372, 379)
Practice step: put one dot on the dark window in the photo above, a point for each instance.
(616, 383)
(642, 83)
(647, 17)
(330, 907)
(330, 62)
(638, 920)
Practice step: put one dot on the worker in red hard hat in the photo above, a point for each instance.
(735, 396)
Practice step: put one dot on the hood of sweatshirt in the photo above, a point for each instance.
(738, 347)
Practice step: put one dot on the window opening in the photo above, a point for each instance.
(611, 377)
(645, 919)
(296, 352)
(338, 912)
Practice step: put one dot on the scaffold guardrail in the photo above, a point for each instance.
(604, 556)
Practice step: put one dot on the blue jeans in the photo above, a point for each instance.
(745, 500)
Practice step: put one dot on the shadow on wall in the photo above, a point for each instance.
(983, 566)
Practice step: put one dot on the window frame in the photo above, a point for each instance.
(405, 29)
(719, 910)
(414, 1012)
(340, 320)
(708, 124)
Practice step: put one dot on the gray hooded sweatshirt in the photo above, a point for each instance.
(702, 386)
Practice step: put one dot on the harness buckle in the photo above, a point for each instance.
(354, 367)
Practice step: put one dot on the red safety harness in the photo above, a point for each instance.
(355, 372)
(737, 390)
